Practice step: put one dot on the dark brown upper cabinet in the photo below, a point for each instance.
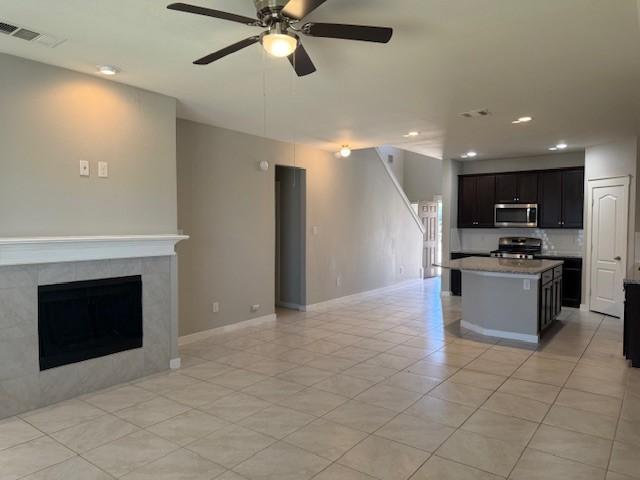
(558, 193)
(562, 199)
(517, 188)
(476, 200)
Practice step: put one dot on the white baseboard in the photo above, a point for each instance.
(174, 363)
(584, 307)
(522, 337)
(359, 296)
(446, 293)
(195, 337)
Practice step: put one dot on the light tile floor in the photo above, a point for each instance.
(386, 388)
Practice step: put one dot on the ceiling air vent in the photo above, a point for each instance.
(7, 29)
(26, 34)
(476, 113)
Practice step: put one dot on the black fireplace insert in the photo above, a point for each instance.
(82, 320)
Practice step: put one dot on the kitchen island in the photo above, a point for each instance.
(507, 298)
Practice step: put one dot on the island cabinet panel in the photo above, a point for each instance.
(631, 340)
(476, 199)
(550, 297)
(517, 188)
(571, 293)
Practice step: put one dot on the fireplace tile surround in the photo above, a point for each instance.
(24, 387)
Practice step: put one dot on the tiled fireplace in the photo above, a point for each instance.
(25, 382)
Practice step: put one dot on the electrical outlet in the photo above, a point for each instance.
(103, 170)
(84, 168)
(401, 270)
(526, 284)
(338, 280)
(215, 307)
(255, 308)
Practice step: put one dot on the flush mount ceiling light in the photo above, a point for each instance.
(278, 42)
(411, 134)
(560, 146)
(470, 154)
(345, 151)
(522, 120)
(108, 70)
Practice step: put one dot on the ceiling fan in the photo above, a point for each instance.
(281, 19)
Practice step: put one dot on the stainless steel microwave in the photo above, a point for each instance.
(516, 215)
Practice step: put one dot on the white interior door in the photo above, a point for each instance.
(609, 218)
(428, 212)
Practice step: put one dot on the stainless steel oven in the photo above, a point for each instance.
(516, 215)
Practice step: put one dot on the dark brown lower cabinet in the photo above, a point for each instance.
(631, 342)
(550, 297)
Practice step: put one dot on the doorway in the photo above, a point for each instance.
(290, 254)
(607, 247)
(430, 213)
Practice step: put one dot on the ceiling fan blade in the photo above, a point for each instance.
(349, 32)
(301, 62)
(232, 17)
(227, 51)
(299, 9)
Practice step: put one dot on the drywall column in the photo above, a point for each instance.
(450, 240)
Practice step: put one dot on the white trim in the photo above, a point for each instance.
(522, 337)
(446, 293)
(524, 276)
(32, 250)
(400, 190)
(175, 363)
(359, 296)
(584, 307)
(196, 337)
(592, 183)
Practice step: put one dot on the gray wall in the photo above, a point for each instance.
(422, 177)
(365, 233)
(52, 118)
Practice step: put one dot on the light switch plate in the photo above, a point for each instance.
(103, 170)
(84, 168)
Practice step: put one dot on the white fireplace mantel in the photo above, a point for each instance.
(32, 250)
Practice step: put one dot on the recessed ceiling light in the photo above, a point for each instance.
(553, 149)
(522, 120)
(562, 146)
(108, 70)
(411, 134)
(471, 154)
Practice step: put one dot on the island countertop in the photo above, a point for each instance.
(502, 265)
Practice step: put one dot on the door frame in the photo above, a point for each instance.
(625, 181)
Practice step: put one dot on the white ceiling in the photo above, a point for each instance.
(572, 64)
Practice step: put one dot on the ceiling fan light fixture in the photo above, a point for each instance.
(279, 43)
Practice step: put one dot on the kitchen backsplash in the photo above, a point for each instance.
(559, 242)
